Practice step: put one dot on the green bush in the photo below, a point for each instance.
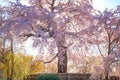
(48, 77)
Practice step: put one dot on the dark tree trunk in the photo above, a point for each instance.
(106, 75)
(12, 61)
(62, 53)
(8, 73)
(62, 62)
(60, 41)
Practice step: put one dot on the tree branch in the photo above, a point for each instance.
(100, 51)
(114, 61)
(51, 59)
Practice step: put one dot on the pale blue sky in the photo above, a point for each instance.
(102, 4)
(2, 2)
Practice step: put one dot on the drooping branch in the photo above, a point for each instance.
(51, 59)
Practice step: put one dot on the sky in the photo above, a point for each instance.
(3, 2)
(103, 4)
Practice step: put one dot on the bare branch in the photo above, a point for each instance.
(100, 51)
(51, 59)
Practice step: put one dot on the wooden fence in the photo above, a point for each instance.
(64, 76)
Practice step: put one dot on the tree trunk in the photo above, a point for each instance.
(106, 75)
(8, 72)
(12, 61)
(60, 41)
(62, 53)
(12, 67)
(62, 61)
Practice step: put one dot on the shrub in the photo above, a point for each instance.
(48, 77)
